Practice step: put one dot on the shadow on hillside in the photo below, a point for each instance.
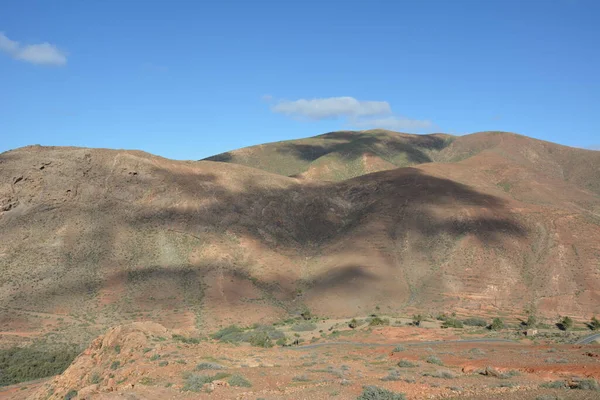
(351, 144)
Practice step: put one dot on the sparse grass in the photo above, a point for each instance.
(71, 394)
(377, 393)
(301, 378)
(195, 382)
(155, 357)
(554, 385)
(95, 378)
(548, 397)
(434, 360)
(163, 363)
(406, 364)
(452, 323)
(183, 339)
(440, 374)
(259, 335)
(588, 384)
(393, 375)
(208, 365)
(475, 322)
(304, 327)
(376, 321)
(239, 381)
(398, 349)
(115, 365)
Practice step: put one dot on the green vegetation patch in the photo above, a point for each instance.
(21, 364)
(377, 393)
(259, 335)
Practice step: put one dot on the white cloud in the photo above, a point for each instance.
(331, 107)
(41, 53)
(358, 113)
(594, 147)
(395, 123)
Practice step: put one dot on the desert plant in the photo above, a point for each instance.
(353, 324)
(208, 365)
(587, 384)
(554, 385)
(531, 321)
(594, 324)
(440, 374)
(303, 327)
(398, 349)
(565, 324)
(95, 378)
(239, 381)
(301, 378)
(434, 360)
(417, 319)
(163, 363)
(406, 364)
(497, 324)
(393, 375)
(195, 382)
(452, 323)
(377, 393)
(376, 321)
(115, 365)
(475, 322)
(71, 394)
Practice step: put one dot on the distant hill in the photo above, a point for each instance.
(485, 224)
(342, 155)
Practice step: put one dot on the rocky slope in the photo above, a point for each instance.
(94, 237)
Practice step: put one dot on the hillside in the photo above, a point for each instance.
(92, 238)
(342, 155)
(336, 156)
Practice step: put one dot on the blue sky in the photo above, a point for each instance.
(188, 79)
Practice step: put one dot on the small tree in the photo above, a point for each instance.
(594, 323)
(497, 324)
(531, 321)
(353, 324)
(566, 323)
(417, 319)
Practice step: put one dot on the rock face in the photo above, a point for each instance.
(107, 364)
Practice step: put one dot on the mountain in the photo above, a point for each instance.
(484, 224)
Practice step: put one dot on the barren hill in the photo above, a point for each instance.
(92, 237)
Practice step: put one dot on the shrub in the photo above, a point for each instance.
(594, 324)
(393, 375)
(95, 378)
(353, 324)
(440, 374)
(194, 382)
(565, 324)
(281, 341)
(452, 323)
(398, 349)
(301, 378)
(163, 363)
(531, 321)
(71, 394)
(497, 324)
(554, 385)
(239, 380)
(115, 365)
(417, 319)
(183, 339)
(406, 364)
(304, 327)
(376, 321)
(20, 364)
(475, 322)
(377, 393)
(588, 384)
(208, 365)
(260, 339)
(434, 360)
(227, 331)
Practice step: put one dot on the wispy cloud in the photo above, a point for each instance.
(594, 147)
(331, 107)
(40, 53)
(358, 113)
